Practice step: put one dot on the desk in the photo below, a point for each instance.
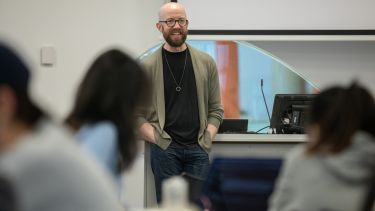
(259, 145)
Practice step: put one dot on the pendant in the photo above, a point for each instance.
(178, 88)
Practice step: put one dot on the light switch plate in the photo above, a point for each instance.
(48, 55)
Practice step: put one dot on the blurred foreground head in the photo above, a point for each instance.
(337, 114)
(113, 87)
(17, 111)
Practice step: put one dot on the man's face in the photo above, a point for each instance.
(175, 35)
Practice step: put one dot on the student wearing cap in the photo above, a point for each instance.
(39, 159)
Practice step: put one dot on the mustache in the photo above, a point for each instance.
(178, 31)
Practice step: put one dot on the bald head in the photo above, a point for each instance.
(171, 9)
(173, 24)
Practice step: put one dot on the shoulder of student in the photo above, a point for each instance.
(49, 155)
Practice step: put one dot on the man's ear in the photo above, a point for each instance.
(159, 26)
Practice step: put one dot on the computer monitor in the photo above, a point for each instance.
(289, 113)
(233, 126)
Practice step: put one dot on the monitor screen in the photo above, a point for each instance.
(289, 113)
(233, 126)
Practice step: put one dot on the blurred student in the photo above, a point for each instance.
(334, 170)
(39, 159)
(7, 196)
(103, 112)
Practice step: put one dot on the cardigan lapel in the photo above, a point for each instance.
(200, 87)
(160, 103)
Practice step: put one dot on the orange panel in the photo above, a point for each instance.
(227, 64)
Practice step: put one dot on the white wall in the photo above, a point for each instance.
(280, 14)
(78, 30)
(327, 62)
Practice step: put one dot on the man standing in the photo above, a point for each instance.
(186, 110)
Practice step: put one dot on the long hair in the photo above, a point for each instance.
(113, 87)
(340, 112)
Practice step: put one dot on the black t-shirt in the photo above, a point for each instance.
(181, 107)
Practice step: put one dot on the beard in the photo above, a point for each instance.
(175, 42)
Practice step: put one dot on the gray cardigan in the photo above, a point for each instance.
(208, 93)
(326, 182)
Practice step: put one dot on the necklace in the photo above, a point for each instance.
(178, 85)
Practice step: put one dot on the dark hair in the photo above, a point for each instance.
(15, 74)
(340, 112)
(26, 111)
(113, 87)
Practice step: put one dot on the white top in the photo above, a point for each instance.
(48, 171)
(326, 182)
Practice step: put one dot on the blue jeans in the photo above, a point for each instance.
(176, 159)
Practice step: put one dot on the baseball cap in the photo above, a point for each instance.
(13, 71)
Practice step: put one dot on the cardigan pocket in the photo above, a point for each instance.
(207, 141)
